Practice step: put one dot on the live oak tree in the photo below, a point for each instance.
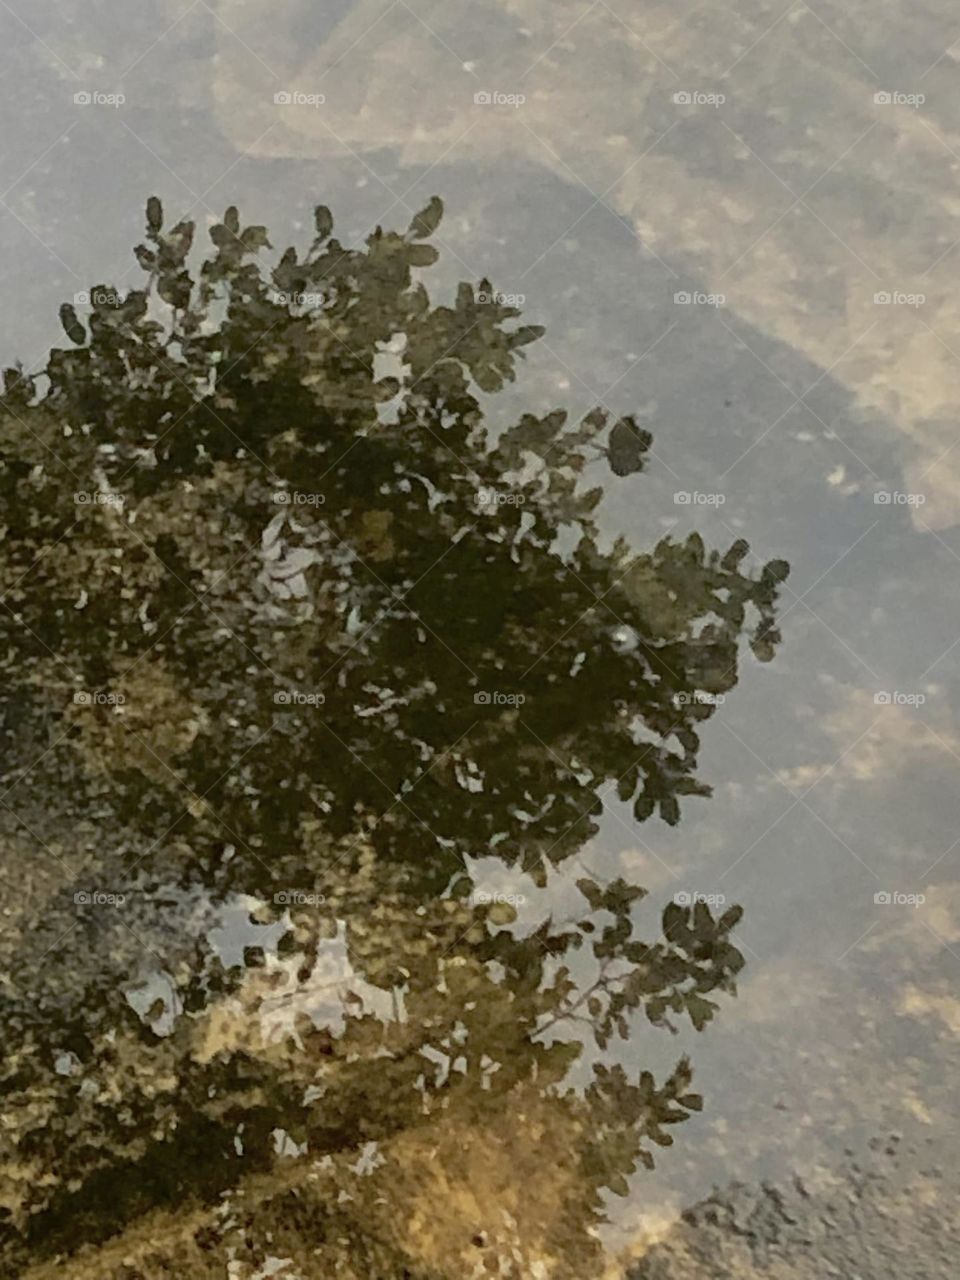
(288, 625)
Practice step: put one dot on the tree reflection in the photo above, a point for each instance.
(289, 624)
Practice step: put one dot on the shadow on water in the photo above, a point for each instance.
(294, 638)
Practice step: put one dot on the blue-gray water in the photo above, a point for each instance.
(804, 396)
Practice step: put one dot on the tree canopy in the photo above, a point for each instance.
(294, 629)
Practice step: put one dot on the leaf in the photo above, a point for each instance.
(763, 649)
(502, 913)
(627, 784)
(146, 257)
(156, 1010)
(526, 334)
(427, 220)
(692, 1101)
(703, 926)
(422, 255)
(231, 219)
(18, 386)
(700, 1010)
(154, 215)
(670, 810)
(735, 555)
(731, 917)
(175, 289)
(323, 221)
(627, 445)
(776, 571)
(180, 241)
(592, 892)
(254, 238)
(643, 806)
(71, 324)
(695, 545)
(674, 921)
(656, 1008)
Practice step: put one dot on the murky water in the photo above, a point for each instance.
(359, 662)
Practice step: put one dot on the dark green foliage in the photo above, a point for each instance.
(260, 509)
